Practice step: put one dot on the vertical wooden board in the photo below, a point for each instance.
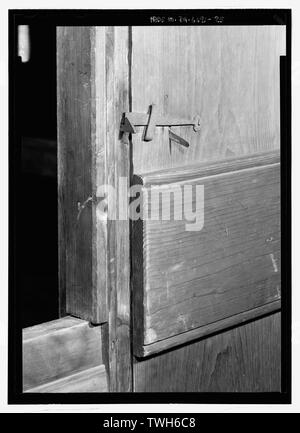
(99, 174)
(118, 166)
(74, 135)
(93, 92)
(227, 75)
(244, 359)
(81, 167)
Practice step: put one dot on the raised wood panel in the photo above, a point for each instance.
(56, 349)
(244, 359)
(187, 279)
(228, 75)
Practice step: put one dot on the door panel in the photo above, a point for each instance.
(184, 279)
(244, 359)
(192, 284)
(228, 75)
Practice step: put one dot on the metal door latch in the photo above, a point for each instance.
(151, 120)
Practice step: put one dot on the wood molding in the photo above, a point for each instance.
(203, 331)
(190, 172)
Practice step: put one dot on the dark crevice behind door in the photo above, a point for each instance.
(36, 147)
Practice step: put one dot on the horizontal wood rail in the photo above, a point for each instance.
(91, 380)
(190, 172)
(63, 355)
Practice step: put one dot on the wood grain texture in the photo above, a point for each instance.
(59, 348)
(118, 240)
(187, 279)
(244, 359)
(206, 330)
(81, 166)
(91, 380)
(93, 88)
(228, 75)
(190, 172)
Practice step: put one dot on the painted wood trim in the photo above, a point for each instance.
(91, 380)
(56, 349)
(204, 331)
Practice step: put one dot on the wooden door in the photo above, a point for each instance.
(200, 308)
(189, 284)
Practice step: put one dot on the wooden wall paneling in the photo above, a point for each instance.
(243, 359)
(228, 266)
(229, 75)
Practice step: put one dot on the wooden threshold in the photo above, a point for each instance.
(91, 380)
(63, 355)
(185, 278)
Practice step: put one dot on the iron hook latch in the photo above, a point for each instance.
(131, 120)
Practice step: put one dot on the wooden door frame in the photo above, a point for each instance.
(93, 91)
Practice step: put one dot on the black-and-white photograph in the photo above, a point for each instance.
(150, 203)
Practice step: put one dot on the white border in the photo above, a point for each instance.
(159, 4)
